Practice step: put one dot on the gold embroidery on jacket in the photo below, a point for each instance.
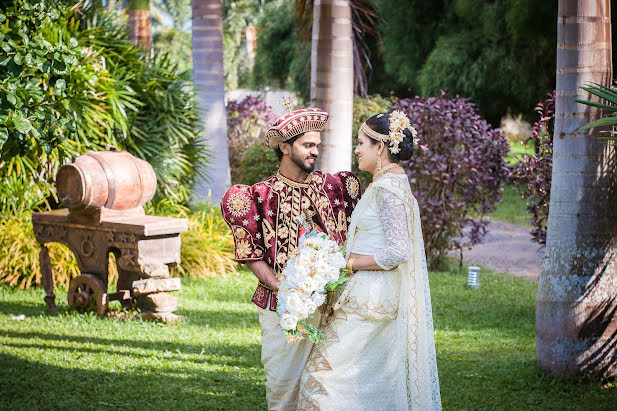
(325, 213)
(268, 232)
(243, 249)
(238, 204)
(353, 188)
(296, 210)
(342, 222)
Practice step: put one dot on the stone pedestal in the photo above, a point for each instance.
(145, 247)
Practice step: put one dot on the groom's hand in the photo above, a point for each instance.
(264, 273)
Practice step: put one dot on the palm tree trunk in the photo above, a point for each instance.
(332, 80)
(140, 23)
(210, 85)
(576, 325)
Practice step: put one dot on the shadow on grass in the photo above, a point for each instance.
(240, 355)
(35, 385)
(216, 318)
(486, 380)
(219, 319)
(26, 308)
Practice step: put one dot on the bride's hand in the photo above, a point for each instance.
(362, 262)
(350, 262)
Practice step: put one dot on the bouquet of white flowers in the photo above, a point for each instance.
(317, 266)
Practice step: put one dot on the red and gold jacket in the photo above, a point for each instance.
(262, 217)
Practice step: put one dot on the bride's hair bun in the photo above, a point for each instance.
(381, 124)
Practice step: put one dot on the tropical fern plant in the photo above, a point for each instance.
(56, 98)
(71, 82)
(160, 123)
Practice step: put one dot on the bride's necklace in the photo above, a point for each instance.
(384, 171)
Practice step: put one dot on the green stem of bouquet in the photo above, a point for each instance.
(343, 278)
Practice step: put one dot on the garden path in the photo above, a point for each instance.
(507, 248)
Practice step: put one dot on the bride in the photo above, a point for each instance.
(379, 352)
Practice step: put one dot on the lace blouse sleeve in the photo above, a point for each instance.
(393, 219)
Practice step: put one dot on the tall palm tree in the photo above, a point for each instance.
(364, 25)
(209, 82)
(332, 76)
(340, 56)
(576, 324)
(140, 23)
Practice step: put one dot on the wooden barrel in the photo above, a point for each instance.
(112, 179)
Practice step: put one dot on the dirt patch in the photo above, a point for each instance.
(507, 248)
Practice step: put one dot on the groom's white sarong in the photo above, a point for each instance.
(262, 220)
(283, 361)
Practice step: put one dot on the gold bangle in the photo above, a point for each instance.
(349, 265)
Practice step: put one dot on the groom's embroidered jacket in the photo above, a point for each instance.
(261, 217)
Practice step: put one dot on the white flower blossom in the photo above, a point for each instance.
(318, 299)
(317, 263)
(288, 322)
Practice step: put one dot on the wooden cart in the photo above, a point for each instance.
(104, 193)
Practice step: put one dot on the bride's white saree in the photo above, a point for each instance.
(380, 350)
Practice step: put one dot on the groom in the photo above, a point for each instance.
(262, 220)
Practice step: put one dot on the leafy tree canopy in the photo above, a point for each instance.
(500, 53)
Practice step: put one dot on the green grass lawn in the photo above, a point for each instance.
(512, 208)
(484, 338)
(517, 150)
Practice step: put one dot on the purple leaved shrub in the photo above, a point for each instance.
(457, 173)
(248, 121)
(532, 174)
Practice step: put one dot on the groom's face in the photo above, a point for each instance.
(305, 150)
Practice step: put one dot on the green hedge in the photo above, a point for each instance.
(499, 53)
(281, 61)
(258, 163)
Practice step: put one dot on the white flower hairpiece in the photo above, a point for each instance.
(398, 123)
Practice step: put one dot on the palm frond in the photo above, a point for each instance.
(608, 94)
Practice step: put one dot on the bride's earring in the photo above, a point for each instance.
(378, 162)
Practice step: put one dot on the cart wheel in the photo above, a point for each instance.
(88, 293)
